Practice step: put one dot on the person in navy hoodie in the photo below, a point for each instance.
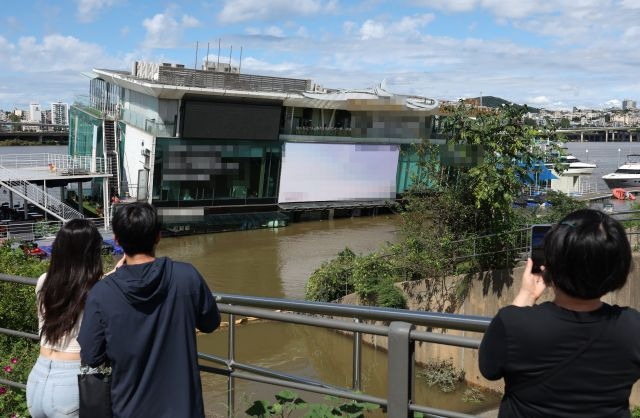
(142, 319)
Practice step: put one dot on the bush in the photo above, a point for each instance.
(333, 280)
(17, 311)
(443, 374)
(389, 296)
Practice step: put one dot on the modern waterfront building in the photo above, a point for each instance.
(199, 143)
(60, 113)
(628, 104)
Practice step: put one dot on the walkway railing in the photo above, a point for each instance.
(37, 230)
(401, 332)
(12, 181)
(57, 164)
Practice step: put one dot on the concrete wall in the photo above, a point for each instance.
(488, 293)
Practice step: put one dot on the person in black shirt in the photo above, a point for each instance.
(575, 356)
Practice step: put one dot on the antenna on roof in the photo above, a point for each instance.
(195, 64)
(206, 60)
(240, 65)
(218, 66)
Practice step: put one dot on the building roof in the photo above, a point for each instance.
(168, 81)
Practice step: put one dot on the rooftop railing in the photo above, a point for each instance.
(56, 164)
(401, 332)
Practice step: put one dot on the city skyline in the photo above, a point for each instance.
(570, 53)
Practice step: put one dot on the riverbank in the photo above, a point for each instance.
(24, 143)
(487, 293)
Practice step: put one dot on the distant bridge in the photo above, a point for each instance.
(595, 133)
(35, 131)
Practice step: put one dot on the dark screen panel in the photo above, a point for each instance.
(222, 120)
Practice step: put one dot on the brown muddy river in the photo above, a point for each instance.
(277, 263)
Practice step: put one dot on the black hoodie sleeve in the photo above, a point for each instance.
(492, 354)
(91, 337)
(207, 314)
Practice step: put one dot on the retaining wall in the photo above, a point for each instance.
(489, 292)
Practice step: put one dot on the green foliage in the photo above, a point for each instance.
(389, 296)
(447, 210)
(17, 357)
(561, 206)
(635, 412)
(287, 402)
(442, 374)
(333, 279)
(17, 311)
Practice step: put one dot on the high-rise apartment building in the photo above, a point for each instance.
(60, 113)
(35, 113)
(628, 104)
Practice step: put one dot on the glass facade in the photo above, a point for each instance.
(200, 172)
(408, 167)
(81, 129)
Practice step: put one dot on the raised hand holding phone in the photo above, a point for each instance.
(531, 288)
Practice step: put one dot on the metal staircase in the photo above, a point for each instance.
(110, 137)
(34, 194)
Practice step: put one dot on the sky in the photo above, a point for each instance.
(554, 54)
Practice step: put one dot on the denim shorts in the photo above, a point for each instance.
(52, 388)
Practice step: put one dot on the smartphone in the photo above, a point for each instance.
(538, 233)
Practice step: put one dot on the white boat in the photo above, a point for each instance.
(575, 167)
(627, 175)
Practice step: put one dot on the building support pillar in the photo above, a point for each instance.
(606, 136)
(582, 136)
(11, 199)
(105, 203)
(62, 194)
(80, 197)
(44, 197)
(613, 136)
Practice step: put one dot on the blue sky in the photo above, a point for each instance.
(550, 53)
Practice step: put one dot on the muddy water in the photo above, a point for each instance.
(277, 263)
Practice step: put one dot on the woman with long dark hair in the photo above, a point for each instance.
(76, 265)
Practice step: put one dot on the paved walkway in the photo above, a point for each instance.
(489, 414)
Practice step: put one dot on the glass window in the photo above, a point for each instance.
(201, 172)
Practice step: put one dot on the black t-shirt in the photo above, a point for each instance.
(522, 344)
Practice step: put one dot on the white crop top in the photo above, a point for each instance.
(68, 343)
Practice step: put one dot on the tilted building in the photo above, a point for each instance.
(197, 143)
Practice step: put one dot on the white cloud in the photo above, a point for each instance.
(165, 31)
(235, 11)
(412, 24)
(88, 9)
(273, 31)
(371, 29)
(612, 103)
(454, 6)
(539, 100)
(190, 22)
(260, 66)
(48, 69)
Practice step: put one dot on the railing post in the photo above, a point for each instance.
(357, 359)
(230, 382)
(400, 369)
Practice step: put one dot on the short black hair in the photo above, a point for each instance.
(136, 227)
(587, 254)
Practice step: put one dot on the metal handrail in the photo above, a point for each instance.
(400, 330)
(37, 196)
(55, 163)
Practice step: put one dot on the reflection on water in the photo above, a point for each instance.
(277, 263)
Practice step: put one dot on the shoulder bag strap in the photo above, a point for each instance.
(602, 326)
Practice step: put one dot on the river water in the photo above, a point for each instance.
(277, 263)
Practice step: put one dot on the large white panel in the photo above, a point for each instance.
(330, 172)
